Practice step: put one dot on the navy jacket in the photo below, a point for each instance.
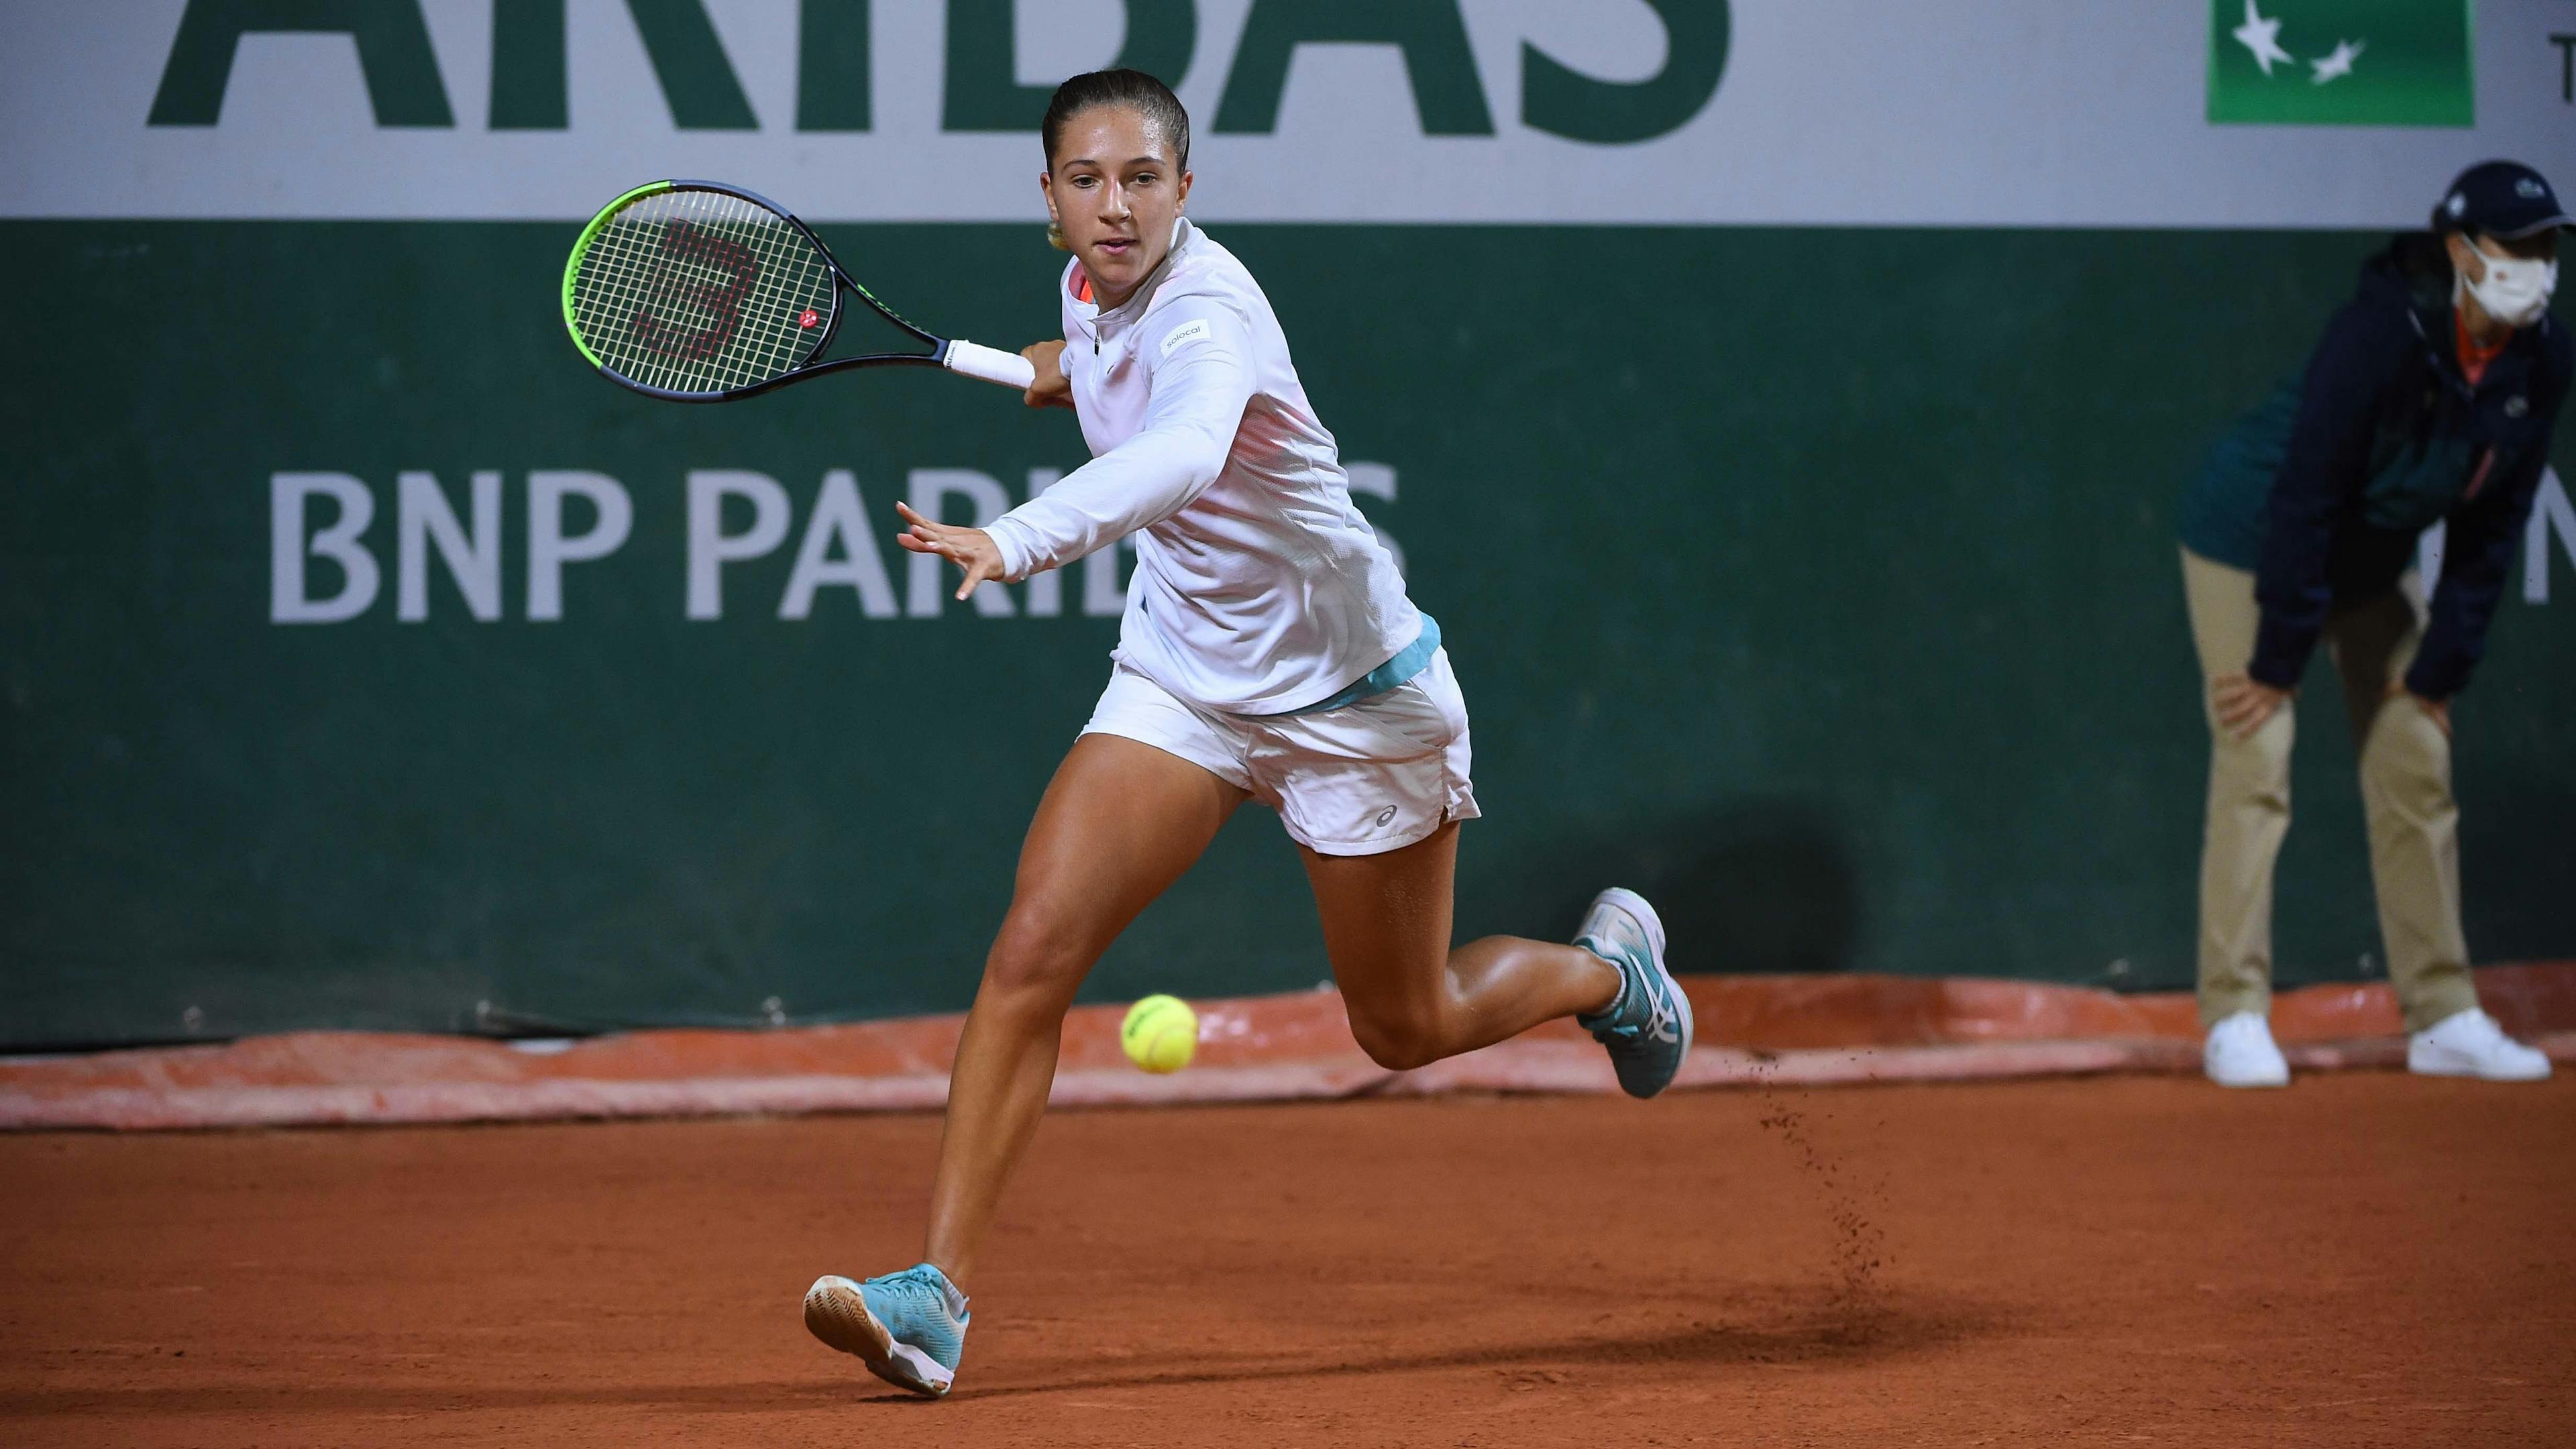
(2323, 489)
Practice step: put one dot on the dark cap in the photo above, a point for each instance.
(2502, 199)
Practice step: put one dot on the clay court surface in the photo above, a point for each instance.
(2365, 1259)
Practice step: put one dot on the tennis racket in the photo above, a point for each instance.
(693, 291)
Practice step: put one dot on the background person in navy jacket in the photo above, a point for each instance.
(2430, 397)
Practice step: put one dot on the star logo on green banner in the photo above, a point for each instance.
(2340, 63)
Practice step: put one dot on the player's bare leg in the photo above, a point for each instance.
(1413, 999)
(1119, 823)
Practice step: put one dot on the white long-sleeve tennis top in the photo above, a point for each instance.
(1259, 588)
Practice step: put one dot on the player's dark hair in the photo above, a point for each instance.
(1120, 87)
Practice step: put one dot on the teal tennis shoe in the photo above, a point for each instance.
(909, 1328)
(1647, 1028)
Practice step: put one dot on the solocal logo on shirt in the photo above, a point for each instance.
(531, 55)
(2340, 62)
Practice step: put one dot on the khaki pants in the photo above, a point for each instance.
(2405, 795)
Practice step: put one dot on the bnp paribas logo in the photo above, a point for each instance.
(2340, 63)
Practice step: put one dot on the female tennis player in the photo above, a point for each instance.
(1268, 653)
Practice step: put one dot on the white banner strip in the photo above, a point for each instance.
(1827, 112)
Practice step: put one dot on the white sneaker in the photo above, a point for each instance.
(2470, 1044)
(2239, 1053)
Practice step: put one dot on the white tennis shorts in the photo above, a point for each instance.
(1370, 777)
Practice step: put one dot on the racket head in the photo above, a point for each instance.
(697, 291)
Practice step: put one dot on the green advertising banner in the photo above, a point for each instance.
(369, 662)
(1792, 467)
(2341, 62)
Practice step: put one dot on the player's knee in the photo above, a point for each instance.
(2267, 750)
(1036, 956)
(1395, 1040)
(2414, 788)
(2256, 768)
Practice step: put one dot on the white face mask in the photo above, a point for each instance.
(2515, 290)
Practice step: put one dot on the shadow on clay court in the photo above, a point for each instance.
(1825, 1325)
(1834, 1330)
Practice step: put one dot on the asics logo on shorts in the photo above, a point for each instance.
(1384, 816)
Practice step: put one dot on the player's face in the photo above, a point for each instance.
(1114, 190)
(2469, 257)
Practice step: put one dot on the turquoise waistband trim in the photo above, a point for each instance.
(1394, 673)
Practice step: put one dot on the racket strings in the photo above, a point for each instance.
(705, 259)
(745, 245)
(701, 292)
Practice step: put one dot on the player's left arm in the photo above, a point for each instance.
(2477, 551)
(1198, 361)
(1197, 354)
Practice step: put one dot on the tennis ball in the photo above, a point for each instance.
(1160, 1033)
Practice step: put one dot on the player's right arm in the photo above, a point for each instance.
(1052, 389)
(2323, 468)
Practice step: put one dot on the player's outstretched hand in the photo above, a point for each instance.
(1052, 389)
(970, 549)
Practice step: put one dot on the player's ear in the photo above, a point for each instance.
(1183, 193)
(2464, 256)
(1055, 219)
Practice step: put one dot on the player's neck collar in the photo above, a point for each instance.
(1143, 297)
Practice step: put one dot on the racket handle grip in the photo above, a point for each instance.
(989, 363)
